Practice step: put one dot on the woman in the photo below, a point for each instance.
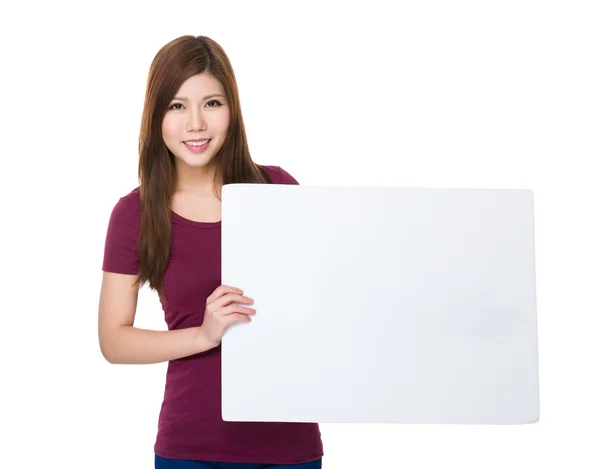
(167, 233)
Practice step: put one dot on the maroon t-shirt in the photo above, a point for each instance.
(190, 425)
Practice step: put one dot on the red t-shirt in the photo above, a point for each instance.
(190, 425)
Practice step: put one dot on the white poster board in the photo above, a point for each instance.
(381, 305)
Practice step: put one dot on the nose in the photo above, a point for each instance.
(196, 121)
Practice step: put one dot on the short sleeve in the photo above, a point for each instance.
(120, 247)
(286, 178)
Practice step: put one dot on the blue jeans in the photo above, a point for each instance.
(164, 463)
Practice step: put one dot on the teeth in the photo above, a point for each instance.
(197, 144)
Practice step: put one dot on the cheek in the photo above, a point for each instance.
(169, 128)
(222, 121)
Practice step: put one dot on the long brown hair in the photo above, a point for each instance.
(174, 63)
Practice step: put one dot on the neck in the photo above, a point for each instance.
(198, 180)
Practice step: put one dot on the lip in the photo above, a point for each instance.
(197, 149)
(196, 140)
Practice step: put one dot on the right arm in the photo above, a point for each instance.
(121, 343)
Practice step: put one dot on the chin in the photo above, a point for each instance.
(198, 162)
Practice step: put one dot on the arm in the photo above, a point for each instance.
(121, 343)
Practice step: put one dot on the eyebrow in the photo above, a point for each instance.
(205, 97)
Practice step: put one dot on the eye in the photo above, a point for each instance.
(217, 104)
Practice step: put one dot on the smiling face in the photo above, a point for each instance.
(199, 110)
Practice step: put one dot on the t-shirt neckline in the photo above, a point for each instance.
(197, 224)
(205, 224)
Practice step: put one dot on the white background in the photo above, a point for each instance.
(498, 94)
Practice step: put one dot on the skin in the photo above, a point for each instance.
(196, 117)
(202, 116)
(120, 341)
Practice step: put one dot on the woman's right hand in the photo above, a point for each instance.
(222, 309)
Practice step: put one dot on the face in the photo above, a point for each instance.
(199, 110)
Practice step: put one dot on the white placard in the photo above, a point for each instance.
(381, 305)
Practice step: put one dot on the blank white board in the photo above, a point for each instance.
(380, 305)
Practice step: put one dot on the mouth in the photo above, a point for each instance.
(197, 146)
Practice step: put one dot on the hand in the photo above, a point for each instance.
(221, 311)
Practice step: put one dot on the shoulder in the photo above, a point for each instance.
(278, 175)
(128, 207)
(132, 200)
(120, 248)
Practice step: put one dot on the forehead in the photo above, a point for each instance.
(200, 85)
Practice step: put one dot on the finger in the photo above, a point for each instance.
(227, 300)
(230, 298)
(237, 309)
(222, 290)
(237, 317)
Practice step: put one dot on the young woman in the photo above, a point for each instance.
(167, 233)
